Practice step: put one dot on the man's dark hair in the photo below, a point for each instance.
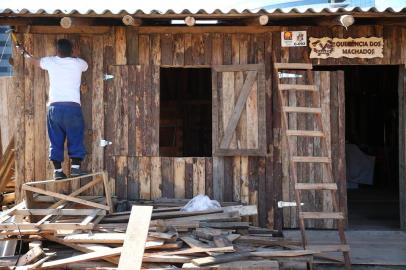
(64, 47)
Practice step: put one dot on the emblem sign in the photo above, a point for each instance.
(326, 47)
(293, 38)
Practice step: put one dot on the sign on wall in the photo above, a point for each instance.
(293, 38)
(326, 47)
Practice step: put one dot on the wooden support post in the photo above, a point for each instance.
(190, 21)
(131, 21)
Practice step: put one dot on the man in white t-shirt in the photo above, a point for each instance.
(64, 117)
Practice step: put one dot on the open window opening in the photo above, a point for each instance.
(185, 128)
(372, 143)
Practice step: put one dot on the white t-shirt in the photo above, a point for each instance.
(64, 77)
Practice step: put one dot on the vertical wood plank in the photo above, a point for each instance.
(228, 179)
(144, 175)
(188, 178)
(144, 48)
(121, 177)
(201, 177)
(209, 177)
(167, 177)
(236, 178)
(29, 113)
(195, 178)
(179, 177)
(133, 184)
(218, 178)
(133, 77)
(253, 185)
(244, 180)
(227, 103)
(132, 45)
(108, 93)
(139, 111)
(179, 50)
(167, 49)
(121, 109)
(97, 109)
(120, 44)
(155, 105)
(40, 146)
(262, 194)
(156, 178)
(19, 89)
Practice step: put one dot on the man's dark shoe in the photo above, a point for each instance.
(59, 175)
(75, 172)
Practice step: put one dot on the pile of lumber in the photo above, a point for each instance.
(153, 235)
(7, 181)
(54, 230)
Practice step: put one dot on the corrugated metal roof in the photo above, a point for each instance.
(145, 12)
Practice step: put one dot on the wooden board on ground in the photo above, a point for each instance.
(136, 236)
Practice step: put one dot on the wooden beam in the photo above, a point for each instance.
(256, 21)
(82, 258)
(190, 21)
(65, 197)
(30, 256)
(135, 238)
(81, 248)
(67, 212)
(131, 21)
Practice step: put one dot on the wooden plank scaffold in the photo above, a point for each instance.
(50, 218)
(329, 185)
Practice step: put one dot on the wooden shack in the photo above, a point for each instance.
(163, 94)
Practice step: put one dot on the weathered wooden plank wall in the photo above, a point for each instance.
(130, 117)
(7, 112)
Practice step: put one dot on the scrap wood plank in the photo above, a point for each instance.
(268, 241)
(30, 256)
(136, 236)
(151, 257)
(77, 192)
(52, 181)
(220, 259)
(282, 253)
(65, 197)
(9, 212)
(241, 265)
(82, 258)
(199, 250)
(81, 248)
(45, 226)
(57, 212)
(229, 216)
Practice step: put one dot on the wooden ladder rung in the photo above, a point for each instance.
(304, 133)
(297, 87)
(321, 215)
(306, 159)
(293, 66)
(329, 248)
(290, 109)
(316, 186)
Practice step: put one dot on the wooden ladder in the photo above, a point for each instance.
(330, 184)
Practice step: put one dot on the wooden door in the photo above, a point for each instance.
(239, 110)
(131, 112)
(331, 87)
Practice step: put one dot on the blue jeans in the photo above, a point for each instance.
(65, 121)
